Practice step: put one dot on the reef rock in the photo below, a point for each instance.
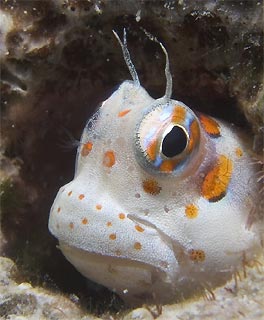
(22, 301)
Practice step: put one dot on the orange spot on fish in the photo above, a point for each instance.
(86, 148)
(210, 125)
(84, 221)
(71, 225)
(112, 236)
(178, 114)
(81, 196)
(217, 180)
(59, 209)
(239, 152)
(151, 186)
(121, 216)
(109, 159)
(69, 193)
(191, 211)
(139, 228)
(109, 224)
(197, 255)
(98, 207)
(137, 245)
(123, 113)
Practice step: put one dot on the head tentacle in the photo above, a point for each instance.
(168, 76)
(127, 57)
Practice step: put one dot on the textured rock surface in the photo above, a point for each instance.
(22, 301)
(59, 59)
(243, 303)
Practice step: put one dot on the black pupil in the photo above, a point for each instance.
(174, 142)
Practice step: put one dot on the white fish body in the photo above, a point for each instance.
(159, 202)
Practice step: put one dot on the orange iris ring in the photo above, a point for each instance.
(192, 129)
(166, 164)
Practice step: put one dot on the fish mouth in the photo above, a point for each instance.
(107, 230)
(149, 282)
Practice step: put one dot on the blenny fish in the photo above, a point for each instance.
(159, 202)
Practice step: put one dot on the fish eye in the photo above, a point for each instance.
(174, 142)
(168, 139)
